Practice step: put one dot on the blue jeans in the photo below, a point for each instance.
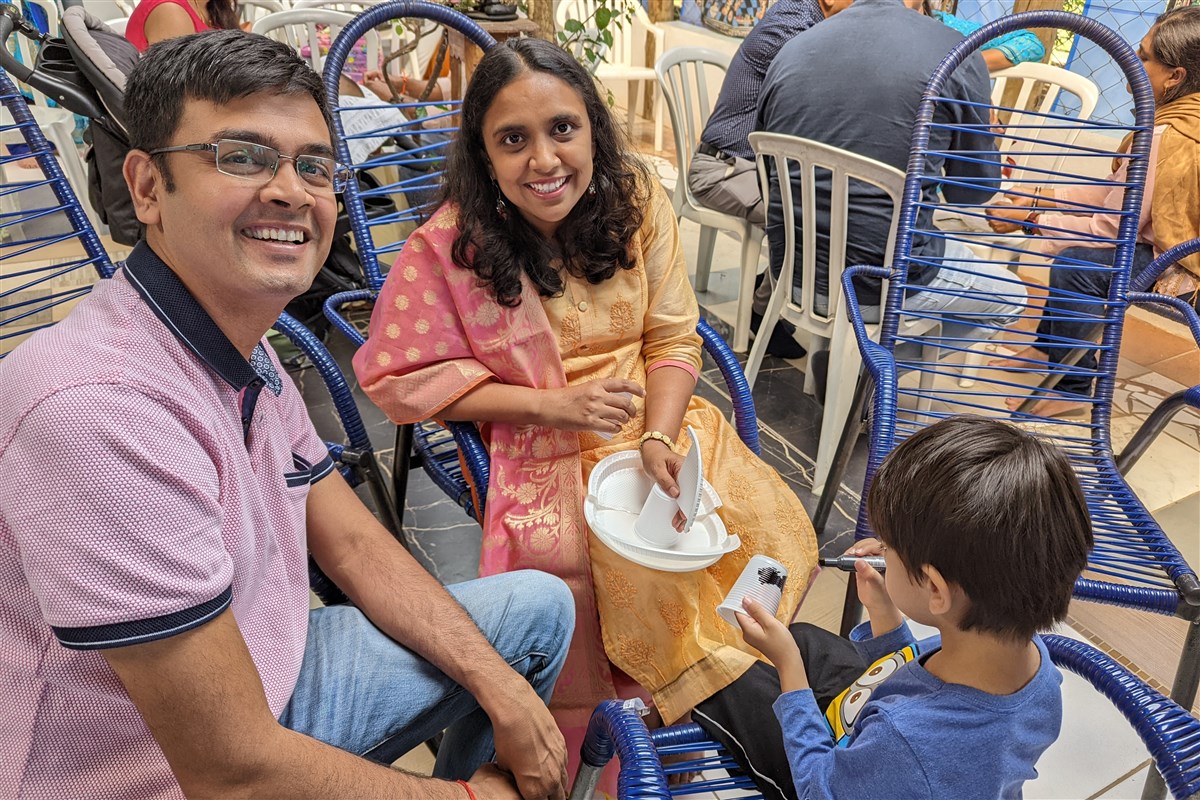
(362, 692)
(1067, 280)
(972, 293)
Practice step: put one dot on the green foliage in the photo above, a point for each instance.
(589, 39)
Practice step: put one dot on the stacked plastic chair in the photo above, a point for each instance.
(1133, 563)
(1171, 735)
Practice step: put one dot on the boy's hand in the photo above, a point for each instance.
(769, 636)
(872, 590)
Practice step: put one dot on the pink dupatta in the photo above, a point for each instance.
(436, 334)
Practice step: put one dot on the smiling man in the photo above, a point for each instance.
(155, 635)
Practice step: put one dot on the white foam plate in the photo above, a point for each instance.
(617, 489)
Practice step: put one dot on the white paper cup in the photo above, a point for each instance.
(762, 580)
(653, 525)
(608, 435)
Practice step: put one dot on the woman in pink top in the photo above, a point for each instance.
(1170, 53)
(155, 20)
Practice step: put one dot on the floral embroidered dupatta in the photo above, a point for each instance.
(435, 335)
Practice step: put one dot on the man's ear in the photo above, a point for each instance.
(146, 185)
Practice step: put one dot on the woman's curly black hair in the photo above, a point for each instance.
(593, 241)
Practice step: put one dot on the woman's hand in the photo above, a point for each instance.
(374, 81)
(602, 405)
(1011, 219)
(769, 636)
(662, 464)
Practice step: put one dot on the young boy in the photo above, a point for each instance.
(984, 529)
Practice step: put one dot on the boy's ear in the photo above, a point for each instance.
(944, 597)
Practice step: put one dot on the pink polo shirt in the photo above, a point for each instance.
(136, 503)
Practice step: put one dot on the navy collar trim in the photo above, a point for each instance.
(175, 306)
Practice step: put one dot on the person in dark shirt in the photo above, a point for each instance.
(721, 174)
(854, 82)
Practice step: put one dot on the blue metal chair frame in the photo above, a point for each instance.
(31, 291)
(1133, 563)
(438, 449)
(1140, 291)
(1169, 732)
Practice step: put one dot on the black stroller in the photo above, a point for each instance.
(84, 71)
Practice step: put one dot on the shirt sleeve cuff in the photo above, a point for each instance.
(140, 631)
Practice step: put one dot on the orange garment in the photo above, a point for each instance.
(1176, 196)
(435, 335)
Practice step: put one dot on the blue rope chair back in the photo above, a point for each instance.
(50, 252)
(1129, 547)
(409, 170)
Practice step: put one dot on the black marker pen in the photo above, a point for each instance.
(846, 563)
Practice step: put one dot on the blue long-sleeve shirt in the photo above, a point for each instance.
(1017, 46)
(919, 737)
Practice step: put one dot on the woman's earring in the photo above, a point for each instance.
(501, 208)
(591, 190)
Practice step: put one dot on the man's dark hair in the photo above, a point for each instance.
(214, 66)
(593, 241)
(998, 511)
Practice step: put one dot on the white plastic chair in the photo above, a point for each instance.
(253, 10)
(298, 28)
(118, 25)
(685, 75)
(390, 39)
(624, 61)
(1040, 86)
(822, 317)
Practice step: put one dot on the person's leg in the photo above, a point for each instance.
(973, 293)
(1069, 312)
(727, 185)
(362, 692)
(741, 717)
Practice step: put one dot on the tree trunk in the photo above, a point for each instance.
(1045, 34)
(661, 11)
(542, 12)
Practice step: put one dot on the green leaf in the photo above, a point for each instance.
(562, 37)
(573, 25)
(607, 38)
(603, 15)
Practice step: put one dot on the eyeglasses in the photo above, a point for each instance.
(259, 162)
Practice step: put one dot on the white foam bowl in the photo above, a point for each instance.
(617, 490)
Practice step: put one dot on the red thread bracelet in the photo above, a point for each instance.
(470, 792)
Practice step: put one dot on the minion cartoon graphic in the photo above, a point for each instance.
(845, 708)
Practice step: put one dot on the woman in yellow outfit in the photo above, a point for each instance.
(548, 300)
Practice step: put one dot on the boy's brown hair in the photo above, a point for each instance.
(998, 511)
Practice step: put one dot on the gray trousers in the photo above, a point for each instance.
(730, 185)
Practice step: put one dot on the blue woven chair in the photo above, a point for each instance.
(1170, 734)
(1133, 563)
(41, 220)
(408, 172)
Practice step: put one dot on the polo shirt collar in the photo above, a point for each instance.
(175, 306)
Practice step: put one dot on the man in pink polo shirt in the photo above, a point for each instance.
(161, 487)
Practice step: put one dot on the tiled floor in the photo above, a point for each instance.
(1097, 755)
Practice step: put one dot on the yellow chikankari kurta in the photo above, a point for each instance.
(662, 628)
